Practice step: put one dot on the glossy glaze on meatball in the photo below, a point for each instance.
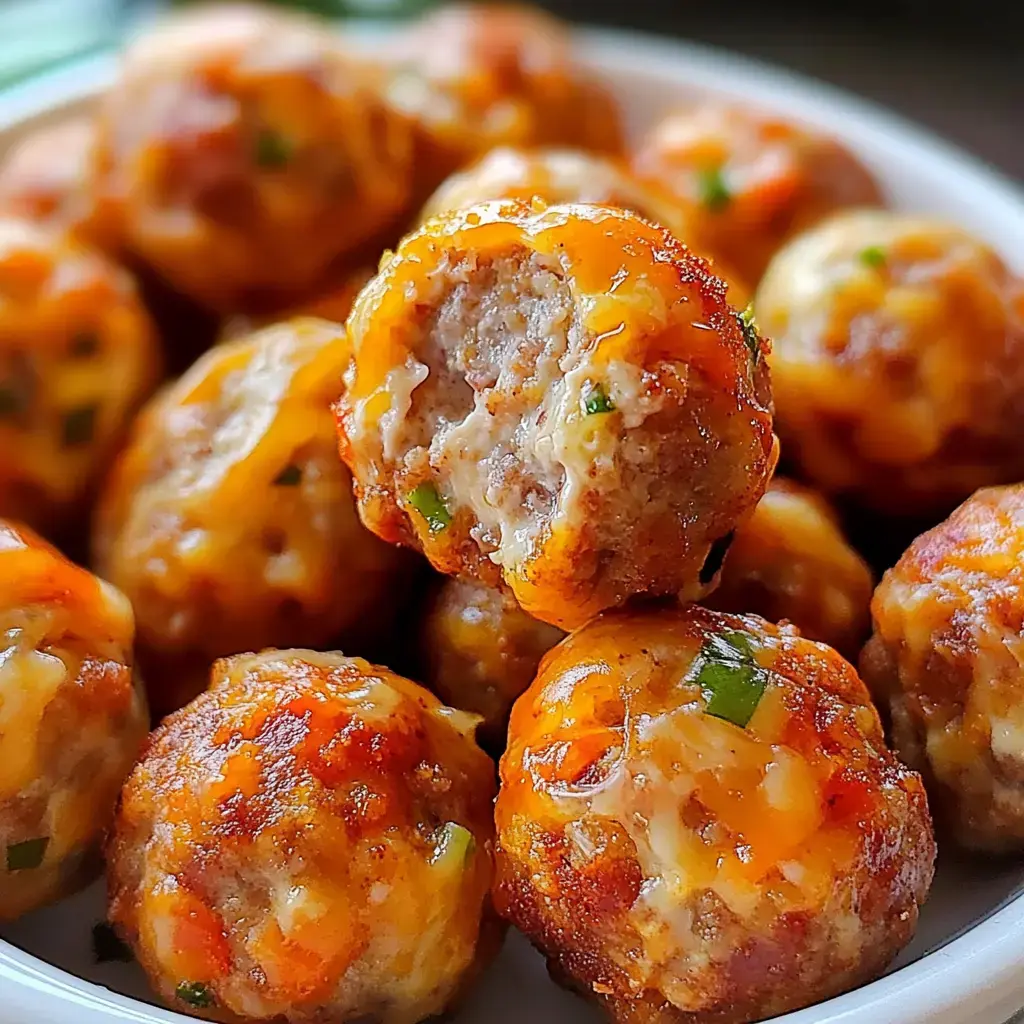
(78, 355)
(311, 840)
(243, 152)
(945, 661)
(558, 396)
(750, 181)
(476, 76)
(480, 651)
(699, 821)
(790, 561)
(897, 361)
(71, 719)
(229, 520)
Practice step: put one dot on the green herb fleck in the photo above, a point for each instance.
(79, 426)
(84, 345)
(429, 503)
(729, 676)
(273, 150)
(749, 328)
(455, 845)
(195, 994)
(28, 855)
(714, 193)
(597, 401)
(873, 256)
(290, 476)
(107, 947)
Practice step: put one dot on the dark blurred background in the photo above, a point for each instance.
(957, 66)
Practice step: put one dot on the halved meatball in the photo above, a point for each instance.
(560, 397)
(72, 719)
(243, 153)
(790, 561)
(945, 661)
(897, 361)
(229, 520)
(699, 821)
(311, 840)
(750, 181)
(476, 76)
(568, 176)
(78, 355)
(480, 651)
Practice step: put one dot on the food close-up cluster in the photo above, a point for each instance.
(492, 560)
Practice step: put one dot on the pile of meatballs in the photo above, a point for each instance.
(312, 363)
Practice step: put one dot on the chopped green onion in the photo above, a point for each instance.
(290, 476)
(84, 344)
(429, 503)
(28, 855)
(195, 994)
(731, 680)
(107, 947)
(455, 846)
(714, 193)
(273, 150)
(79, 426)
(749, 329)
(597, 401)
(873, 256)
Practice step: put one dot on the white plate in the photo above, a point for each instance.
(965, 965)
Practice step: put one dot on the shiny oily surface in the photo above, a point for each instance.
(71, 719)
(517, 370)
(78, 355)
(750, 181)
(944, 660)
(243, 151)
(683, 853)
(790, 561)
(473, 77)
(229, 520)
(310, 840)
(897, 361)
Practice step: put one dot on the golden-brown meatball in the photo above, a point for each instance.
(71, 719)
(699, 821)
(945, 660)
(480, 651)
(560, 396)
(311, 840)
(790, 561)
(78, 355)
(229, 520)
(897, 361)
(750, 181)
(476, 76)
(243, 153)
(567, 176)
(43, 176)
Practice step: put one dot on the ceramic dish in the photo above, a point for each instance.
(964, 964)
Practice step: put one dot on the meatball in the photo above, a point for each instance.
(244, 153)
(945, 661)
(560, 397)
(476, 76)
(311, 840)
(750, 181)
(898, 361)
(480, 651)
(566, 176)
(78, 355)
(71, 719)
(229, 520)
(43, 177)
(699, 820)
(791, 561)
